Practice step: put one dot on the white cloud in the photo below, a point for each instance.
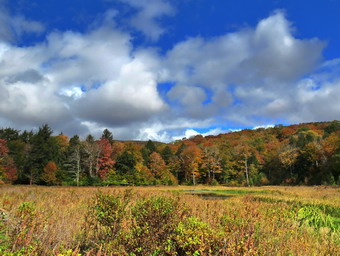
(95, 77)
(149, 13)
(12, 28)
(191, 133)
(264, 126)
(131, 97)
(74, 92)
(188, 134)
(86, 82)
(247, 72)
(317, 104)
(251, 55)
(27, 103)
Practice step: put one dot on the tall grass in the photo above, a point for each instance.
(151, 221)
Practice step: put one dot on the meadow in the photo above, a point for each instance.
(175, 220)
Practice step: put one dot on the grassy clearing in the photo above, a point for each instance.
(226, 191)
(151, 221)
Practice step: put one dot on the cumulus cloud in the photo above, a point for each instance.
(27, 95)
(149, 13)
(249, 56)
(189, 133)
(316, 103)
(13, 27)
(96, 77)
(132, 97)
(244, 70)
(86, 82)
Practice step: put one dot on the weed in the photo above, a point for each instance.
(154, 220)
(150, 221)
(314, 217)
(104, 219)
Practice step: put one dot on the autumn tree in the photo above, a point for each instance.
(332, 149)
(8, 171)
(3, 149)
(49, 173)
(19, 152)
(228, 163)
(243, 152)
(297, 154)
(104, 161)
(191, 158)
(174, 166)
(147, 150)
(288, 156)
(333, 127)
(117, 149)
(211, 162)
(157, 165)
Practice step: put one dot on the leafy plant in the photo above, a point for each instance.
(314, 217)
(105, 217)
(154, 222)
(194, 237)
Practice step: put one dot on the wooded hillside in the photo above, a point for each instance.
(297, 154)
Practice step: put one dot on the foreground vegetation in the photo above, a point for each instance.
(169, 220)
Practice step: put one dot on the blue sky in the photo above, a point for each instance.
(165, 69)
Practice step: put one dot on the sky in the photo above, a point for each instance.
(167, 69)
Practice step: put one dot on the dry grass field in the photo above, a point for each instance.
(177, 220)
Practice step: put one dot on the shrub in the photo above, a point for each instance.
(155, 220)
(194, 237)
(105, 218)
(214, 183)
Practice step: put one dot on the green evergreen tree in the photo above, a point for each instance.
(167, 154)
(44, 148)
(126, 163)
(107, 135)
(151, 147)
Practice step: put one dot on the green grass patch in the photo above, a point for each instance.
(295, 204)
(310, 214)
(225, 191)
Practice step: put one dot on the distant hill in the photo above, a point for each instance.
(307, 153)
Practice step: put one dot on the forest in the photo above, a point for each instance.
(301, 154)
(95, 196)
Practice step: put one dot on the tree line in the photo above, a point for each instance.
(297, 154)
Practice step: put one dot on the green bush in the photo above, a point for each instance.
(194, 237)
(154, 225)
(105, 218)
(154, 221)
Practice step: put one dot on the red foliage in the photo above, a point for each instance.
(10, 170)
(49, 174)
(105, 162)
(7, 165)
(3, 148)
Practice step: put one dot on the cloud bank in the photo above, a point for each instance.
(85, 82)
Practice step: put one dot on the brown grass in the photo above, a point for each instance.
(243, 224)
